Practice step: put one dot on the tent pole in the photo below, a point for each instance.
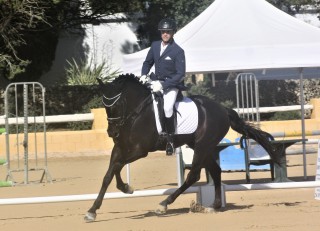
(303, 129)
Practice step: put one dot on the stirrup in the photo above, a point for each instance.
(169, 149)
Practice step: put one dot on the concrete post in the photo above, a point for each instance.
(316, 108)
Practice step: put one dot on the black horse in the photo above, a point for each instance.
(132, 126)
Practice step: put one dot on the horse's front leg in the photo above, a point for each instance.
(91, 214)
(123, 187)
(135, 155)
(114, 167)
(193, 177)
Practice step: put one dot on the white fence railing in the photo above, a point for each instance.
(49, 119)
(274, 109)
(90, 116)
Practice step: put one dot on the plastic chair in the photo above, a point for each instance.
(256, 155)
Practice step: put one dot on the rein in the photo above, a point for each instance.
(140, 108)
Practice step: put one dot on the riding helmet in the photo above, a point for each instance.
(167, 24)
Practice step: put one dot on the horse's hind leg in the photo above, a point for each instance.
(215, 172)
(193, 177)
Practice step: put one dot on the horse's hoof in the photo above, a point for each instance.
(90, 217)
(217, 205)
(129, 189)
(162, 209)
(126, 188)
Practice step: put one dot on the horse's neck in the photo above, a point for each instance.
(135, 96)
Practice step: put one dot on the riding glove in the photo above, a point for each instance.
(144, 78)
(156, 86)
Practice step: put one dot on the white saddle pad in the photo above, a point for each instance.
(187, 116)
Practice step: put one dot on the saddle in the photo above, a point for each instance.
(185, 112)
(159, 99)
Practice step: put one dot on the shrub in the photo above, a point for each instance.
(83, 74)
(286, 115)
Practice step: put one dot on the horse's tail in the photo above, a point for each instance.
(250, 131)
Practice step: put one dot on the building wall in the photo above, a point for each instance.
(97, 44)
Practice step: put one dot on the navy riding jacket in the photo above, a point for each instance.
(170, 67)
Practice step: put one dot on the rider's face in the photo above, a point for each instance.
(166, 35)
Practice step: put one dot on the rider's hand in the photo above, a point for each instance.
(156, 86)
(144, 78)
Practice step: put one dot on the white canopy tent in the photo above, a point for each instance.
(242, 35)
(245, 35)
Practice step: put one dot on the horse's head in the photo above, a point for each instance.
(120, 97)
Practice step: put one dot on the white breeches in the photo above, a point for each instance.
(169, 98)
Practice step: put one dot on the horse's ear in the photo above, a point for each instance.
(100, 82)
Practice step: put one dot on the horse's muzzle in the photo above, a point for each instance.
(113, 133)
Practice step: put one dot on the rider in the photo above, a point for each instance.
(170, 68)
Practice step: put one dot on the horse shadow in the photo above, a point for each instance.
(176, 212)
(182, 211)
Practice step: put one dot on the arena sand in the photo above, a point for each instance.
(289, 209)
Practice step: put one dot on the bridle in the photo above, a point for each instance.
(115, 121)
(120, 120)
(115, 98)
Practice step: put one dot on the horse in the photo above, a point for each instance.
(132, 126)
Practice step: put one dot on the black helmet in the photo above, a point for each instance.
(167, 24)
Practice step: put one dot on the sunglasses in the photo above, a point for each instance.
(166, 31)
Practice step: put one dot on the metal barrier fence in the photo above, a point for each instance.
(247, 91)
(21, 99)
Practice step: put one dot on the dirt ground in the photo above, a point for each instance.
(285, 209)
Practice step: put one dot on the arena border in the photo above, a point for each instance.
(202, 193)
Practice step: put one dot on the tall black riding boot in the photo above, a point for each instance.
(170, 129)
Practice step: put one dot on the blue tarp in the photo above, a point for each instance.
(232, 158)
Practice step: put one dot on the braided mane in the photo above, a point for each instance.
(124, 77)
(127, 77)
